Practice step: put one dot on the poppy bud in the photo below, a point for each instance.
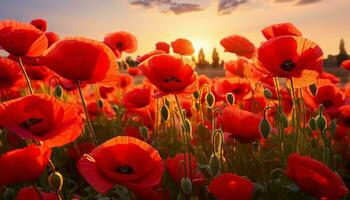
(186, 185)
(58, 91)
(55, 181)
(268, 93)
(144, 132)
(100, 103)
(333, 127)
(164, 113)
(214, 165)
(312, 124)
(230, 98)
(195, 94)
(284, 120)
(197, 106)
(313, 89)
(321, 122)
(264, 128)
(115, 108)
(188, 126)
(210, 99)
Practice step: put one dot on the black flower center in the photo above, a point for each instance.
(287, 65)
(237, 91)
(327, 103)
(171, 79)
(119, 45)
(30, 122)
(125, 169)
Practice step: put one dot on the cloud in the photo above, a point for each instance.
(304, 2)
(168, 6)
(227, 6)
(180, 8)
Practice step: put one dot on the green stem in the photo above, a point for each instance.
(25, 75)
(91, 130)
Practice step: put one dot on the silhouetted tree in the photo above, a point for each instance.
(201, 59)
(215, 58)
(343, 55)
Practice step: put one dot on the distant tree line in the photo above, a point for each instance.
(203, 63)
(343, 55)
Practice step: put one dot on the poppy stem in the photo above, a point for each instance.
(91, 130)
(37, 191)
(25, 75)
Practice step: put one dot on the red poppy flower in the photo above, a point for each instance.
(343, 128)
(177, 170)
(169, 73)
(121, 42)
(52, 37)
(138, 97)
(105, 91)
(10, 73)
(110, 163)
(345, 64)
(163, 46)
(31, 194)
(203, 79)
(149, 54)
(66, 84)
(42, 118)
(124, 81)
(315, 178)
(82, 59)
(330, 96)
(40, 24)
(231, 121)
(37, 72)
(325, 76)
(182, 46)
(239, 45)
(142, 115)
(291, 57)
(237, 67)
(230, 186)
(237, 86)
(282, 29)
(149, 193)
(134, 71)
(23, 165)
(21, 39)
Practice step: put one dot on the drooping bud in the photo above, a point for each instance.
(164, 111)
(100, 103)
(321, 122)
(284, 120)
(144, 132)
(214, 165)
(210, 99)
(230, 98)
(312, 124)
(195, 94)
(186, 185)
(58, 91)
(313, 89)
(264, 128)
(55, 181)
(267, 93)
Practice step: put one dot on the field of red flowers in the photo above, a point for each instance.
(72, 127)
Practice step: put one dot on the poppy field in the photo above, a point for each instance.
(74, 125)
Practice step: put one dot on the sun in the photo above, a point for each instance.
(200, 44)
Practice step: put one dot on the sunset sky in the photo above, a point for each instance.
(204, 22)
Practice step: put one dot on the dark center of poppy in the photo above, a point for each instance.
(287, 65)
(347, 122)
(125, 169)
(119, 45)
(30, 122)
(171, 79)
(327, 103)
(236, 91)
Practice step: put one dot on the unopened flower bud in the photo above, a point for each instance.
(164, 111)
(268, 94)
(264, 128)
(210, 99)
(230, 98)
(186, 185)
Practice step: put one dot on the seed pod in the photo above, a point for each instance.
(312, 124)
(321, 122)
(264, 128)
(55, 181)
(58, 91)
(230, 98)
(214, 165)
(313, 89)
(284, 120)
(100, 103)
(164, 111)
(144, 132)
(268, 94)
(195, 94)
(186, 185)
(210, 99)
